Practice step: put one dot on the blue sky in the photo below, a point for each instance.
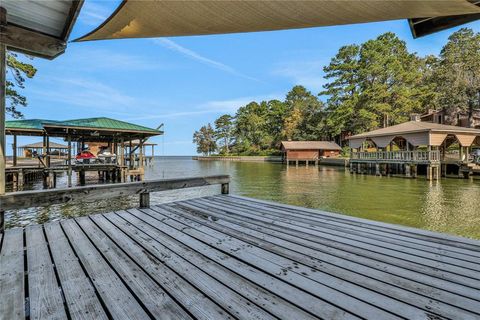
(186, 82)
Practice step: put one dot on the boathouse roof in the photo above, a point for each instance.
(415, 126)
(93, 129)
(310, 145)
(37, 145)
(417, 133)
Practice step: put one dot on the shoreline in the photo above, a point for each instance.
(339, 162)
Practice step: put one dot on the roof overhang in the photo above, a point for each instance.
(39, 28)
(161, 18)
(424, 26)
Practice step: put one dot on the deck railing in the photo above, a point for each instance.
(398, 156)
(42, 198)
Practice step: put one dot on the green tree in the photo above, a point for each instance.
(17, 72)
(252, 128)
(224, 129)
(205, 140)
(376, 84)
(457, 74)
(305, 117)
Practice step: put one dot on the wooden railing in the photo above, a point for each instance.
(398, 156)
(42, 198)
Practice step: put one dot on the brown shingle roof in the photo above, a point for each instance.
(52, 145)
(414, 126)
(309, 145)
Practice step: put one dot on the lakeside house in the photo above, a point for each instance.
(306, 151)
(433, 148)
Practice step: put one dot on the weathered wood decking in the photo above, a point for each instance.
(230, 257)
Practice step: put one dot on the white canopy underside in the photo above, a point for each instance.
(158, 18)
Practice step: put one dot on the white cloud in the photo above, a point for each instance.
(93, 59)
(305, 73)
(229, 106)
(84, 92)
(93, 14)
(171, 45)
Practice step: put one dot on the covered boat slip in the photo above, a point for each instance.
(229, 257)
(126, 140)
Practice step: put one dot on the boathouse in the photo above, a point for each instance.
(127, 140)
(308, 151)
(434, 149)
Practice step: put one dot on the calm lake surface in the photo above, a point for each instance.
(448, 205)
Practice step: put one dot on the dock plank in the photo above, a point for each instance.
(388, 275)
(236, 305)
(336, 224)
(291, 293)
(194, 300)
(155, 299)
(346, 270)
(46, 301)
(393, 265)
(410, 262)
(249, 290)
(79, 293)
(12, 283)
(230, 257)
(118, 299)
(434, 237)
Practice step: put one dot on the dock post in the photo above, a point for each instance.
(3, 72)
(225, 188)
(407, 170)
(145, 200)
(377, 169)
(2, 221)
(429, 172)
(69, 162)
(81, 175)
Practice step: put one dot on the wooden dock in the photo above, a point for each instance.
(228, 257)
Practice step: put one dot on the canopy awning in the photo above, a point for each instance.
(160, 18)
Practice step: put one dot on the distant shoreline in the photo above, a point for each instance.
(277, 159)
(340, 162)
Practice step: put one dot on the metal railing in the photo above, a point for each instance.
(43, 198)
(398, 156)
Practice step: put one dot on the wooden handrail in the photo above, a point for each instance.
(40, 198)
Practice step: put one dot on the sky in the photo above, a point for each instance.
(186, 82)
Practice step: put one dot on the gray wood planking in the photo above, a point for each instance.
(230, 257)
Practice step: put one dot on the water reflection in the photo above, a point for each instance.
(449, 205)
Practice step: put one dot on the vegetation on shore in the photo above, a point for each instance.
(17, 72)
(375, 84)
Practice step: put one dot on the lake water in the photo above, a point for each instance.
(448, 205)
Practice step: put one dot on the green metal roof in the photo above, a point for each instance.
(32, 124)
(90, 123)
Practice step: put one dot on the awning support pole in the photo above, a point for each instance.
(3, 96)
(69, 160)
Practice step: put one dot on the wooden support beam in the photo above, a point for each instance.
(14, 147)
(38, 198)
(69, 162)
(3, 70)
(31, 42)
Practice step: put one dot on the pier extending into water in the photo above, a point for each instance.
(225, 256)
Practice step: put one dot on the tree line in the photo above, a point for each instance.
(375, 84)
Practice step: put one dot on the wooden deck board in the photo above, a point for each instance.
(229, 257)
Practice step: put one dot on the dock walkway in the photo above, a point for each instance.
(228, 257)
